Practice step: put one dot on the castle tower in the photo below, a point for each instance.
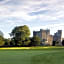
(44, 36)
(58, 37)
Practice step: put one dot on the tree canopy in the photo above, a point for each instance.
(35, 41)
(20, 34)
(23, 30)
(63, 42)
(1, 33)
(1, 41)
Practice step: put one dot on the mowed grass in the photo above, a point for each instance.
(33, 56)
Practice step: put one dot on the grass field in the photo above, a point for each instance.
(32, 56)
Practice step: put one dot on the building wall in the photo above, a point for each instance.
(44, 36)
(58, 37)
(37, 33)
(50, 39)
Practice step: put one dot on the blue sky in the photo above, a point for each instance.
(44, 14)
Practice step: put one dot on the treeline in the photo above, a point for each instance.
(20, 36)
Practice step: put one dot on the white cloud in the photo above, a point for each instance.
(43, 10)
(54, 8)
(3, 1)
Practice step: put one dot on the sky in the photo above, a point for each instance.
(37, 14)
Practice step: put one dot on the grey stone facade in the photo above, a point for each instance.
(58, 37)
(46, 38)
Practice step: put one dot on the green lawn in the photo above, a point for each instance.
(45, 56)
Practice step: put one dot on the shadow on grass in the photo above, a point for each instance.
(49, 58)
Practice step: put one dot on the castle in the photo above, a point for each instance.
(58, 37)
(46, 38)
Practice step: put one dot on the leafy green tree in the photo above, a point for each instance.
(20, 34)
(57, 43)
(2, 41)
(63, 42)
(35, 41)
(12, 43)
(27, 42)
(7, 42)
(1, 33)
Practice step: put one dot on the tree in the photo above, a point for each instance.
(53, 43)
(7, 42)
(63, 42)
(1, 41)
(20, 34)
(12, 43)
(35, 41)
(57, 43)
(27, 42)
(1, 33)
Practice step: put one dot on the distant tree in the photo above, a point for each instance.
(2, 41)
(7, 42)
(63, 42)
(35, 41)
(26, 42)
(57, 43)
(20, 34)
(1, 33)
(53, 43)
(13, 42)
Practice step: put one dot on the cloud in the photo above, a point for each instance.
(25, 8)
(3, 1)
(31, 12)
